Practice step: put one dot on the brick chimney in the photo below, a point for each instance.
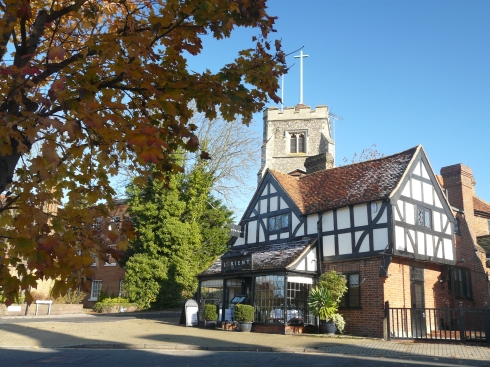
(460, 185)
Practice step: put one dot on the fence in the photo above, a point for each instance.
(456, 324)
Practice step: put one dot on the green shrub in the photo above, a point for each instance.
(103, 295)
(210, 313)
(108, 303)
(336, 284)
(244, 313)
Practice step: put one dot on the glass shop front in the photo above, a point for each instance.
(277, 298)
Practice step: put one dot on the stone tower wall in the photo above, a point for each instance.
(277, 124)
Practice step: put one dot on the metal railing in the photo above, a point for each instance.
(456, 324)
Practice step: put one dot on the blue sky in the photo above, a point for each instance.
(399, 72)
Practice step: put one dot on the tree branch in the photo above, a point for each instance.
(9, 19)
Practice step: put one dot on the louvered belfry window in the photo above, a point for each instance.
(301, 143)
(294, 142)
(297, 143)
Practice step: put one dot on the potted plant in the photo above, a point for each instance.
(244, 314)
(210, 315)
(323, 306)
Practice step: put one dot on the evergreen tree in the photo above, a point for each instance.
(181, 230)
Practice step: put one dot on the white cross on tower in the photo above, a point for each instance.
(301, 56)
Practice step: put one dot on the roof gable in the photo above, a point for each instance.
(347, 185)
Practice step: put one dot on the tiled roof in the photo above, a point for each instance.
(356, 183)
(480, 205)
(277, 256)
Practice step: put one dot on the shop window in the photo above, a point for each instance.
(352, 298)
(269, 298)
(462, 283)
(95, 290)
(212, 293)
(278, 222)
(424, 216)
(297, 292)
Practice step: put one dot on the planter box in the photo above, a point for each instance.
(276, 328)
(56, 309)
(228, 326)
(118, 309)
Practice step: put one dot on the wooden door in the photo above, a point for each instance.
(419, 327)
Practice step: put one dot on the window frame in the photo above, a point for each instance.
(112, 261)
(457, 226)
(462, 288)
(122, 291)
(275, 228)
(116, 220)
(299, 135)
(429, 217)
(345, 300)
(92, 288)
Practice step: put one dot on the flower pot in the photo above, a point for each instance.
(328, 328)
(245, 326)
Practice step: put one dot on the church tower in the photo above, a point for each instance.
(297, 140)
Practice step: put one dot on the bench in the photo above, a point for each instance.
(38, 302)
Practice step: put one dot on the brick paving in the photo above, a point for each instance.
(163, 333)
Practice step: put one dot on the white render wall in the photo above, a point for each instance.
(418, 239)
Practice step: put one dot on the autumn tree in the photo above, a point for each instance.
(94, 84)
(234, 150)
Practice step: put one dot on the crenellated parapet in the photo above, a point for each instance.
(300, 112)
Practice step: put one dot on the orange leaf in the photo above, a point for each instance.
(58, 84)
(139, 140)
(56, 52)
(152, 154)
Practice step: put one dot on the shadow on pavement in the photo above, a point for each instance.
(212, 343)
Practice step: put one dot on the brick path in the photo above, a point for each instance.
(164, 333)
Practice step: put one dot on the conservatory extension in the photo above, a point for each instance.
(275, 279)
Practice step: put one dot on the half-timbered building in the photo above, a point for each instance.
(385, 224)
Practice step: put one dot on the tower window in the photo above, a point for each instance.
(297, 142)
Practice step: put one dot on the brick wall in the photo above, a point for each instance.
(460, 184)
(367, 320)
(110, 275)
(395, 288)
